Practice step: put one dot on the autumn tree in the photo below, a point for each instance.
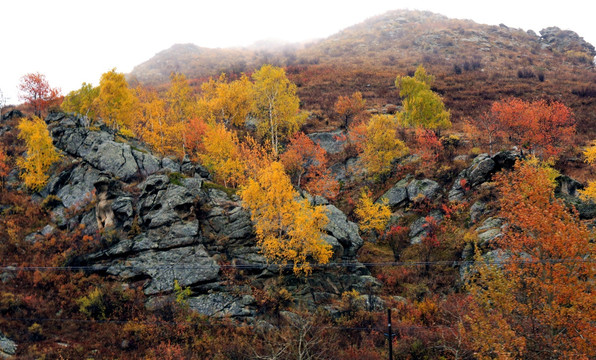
(4, 166)
(288, 229)
(41, 153)
(306, 163)
(541, 127)
(194, 137)
(82, 101)
(590, 191)
(151, 124)
(541, 298)
(421, 106)
(484, 129)
(373, 217)
(180, 100)
(222, 155)
(349, 107)
(115, 101)
(277, 106)
(227, 102)
(37, 92)
(381, 146)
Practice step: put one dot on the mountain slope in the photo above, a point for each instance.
(474, 64)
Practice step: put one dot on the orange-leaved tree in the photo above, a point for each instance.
(152, 125)
(541, 298)
(37, 92)
(350, 107)
(544, 128)
(303, 157)
(288, 229)
(4, 166)
(41, 153)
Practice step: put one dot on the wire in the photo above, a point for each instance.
(212, 324)
(177, 266)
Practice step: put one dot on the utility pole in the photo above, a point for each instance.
(389, 334)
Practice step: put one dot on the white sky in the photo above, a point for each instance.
(76, 41)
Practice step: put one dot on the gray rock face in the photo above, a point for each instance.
(100, 149)
(410, 189)
(490, 230)
(170, 228)
(347, 171)
(477, 210)
(77, 188)
(8, 348)
(333, 142)
(346, 232)
(189, 265)
(481, 170)
(222, 305)
(163, 203)
(423, 188)
(397, 195)
(419, 228)
(565, 40)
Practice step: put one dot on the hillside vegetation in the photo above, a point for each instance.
(214, 207)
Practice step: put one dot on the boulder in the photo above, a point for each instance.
(419, 228)
(481, 171)
(397, 195)
(477, 210)
(8, 348)
(332, 142)
(346, 232)
(426, 188)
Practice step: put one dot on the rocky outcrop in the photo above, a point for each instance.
(480, 171)
(565, 40)
(333, 142)
(567, 189)
(411, 190)
(344, 232)
(100, 148)
(175, 225)
(420, 227)
(8, 348)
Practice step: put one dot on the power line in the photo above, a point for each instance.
(178, 266)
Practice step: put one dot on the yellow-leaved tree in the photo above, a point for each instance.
(381, 144)
(590, 191)
(115, 101)
(81, 101)
(41, 153)
(221, 155)
(373, 216)
(154, 127)
(227, 102)
(422, 107)
(277, 106)
(288, 228)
